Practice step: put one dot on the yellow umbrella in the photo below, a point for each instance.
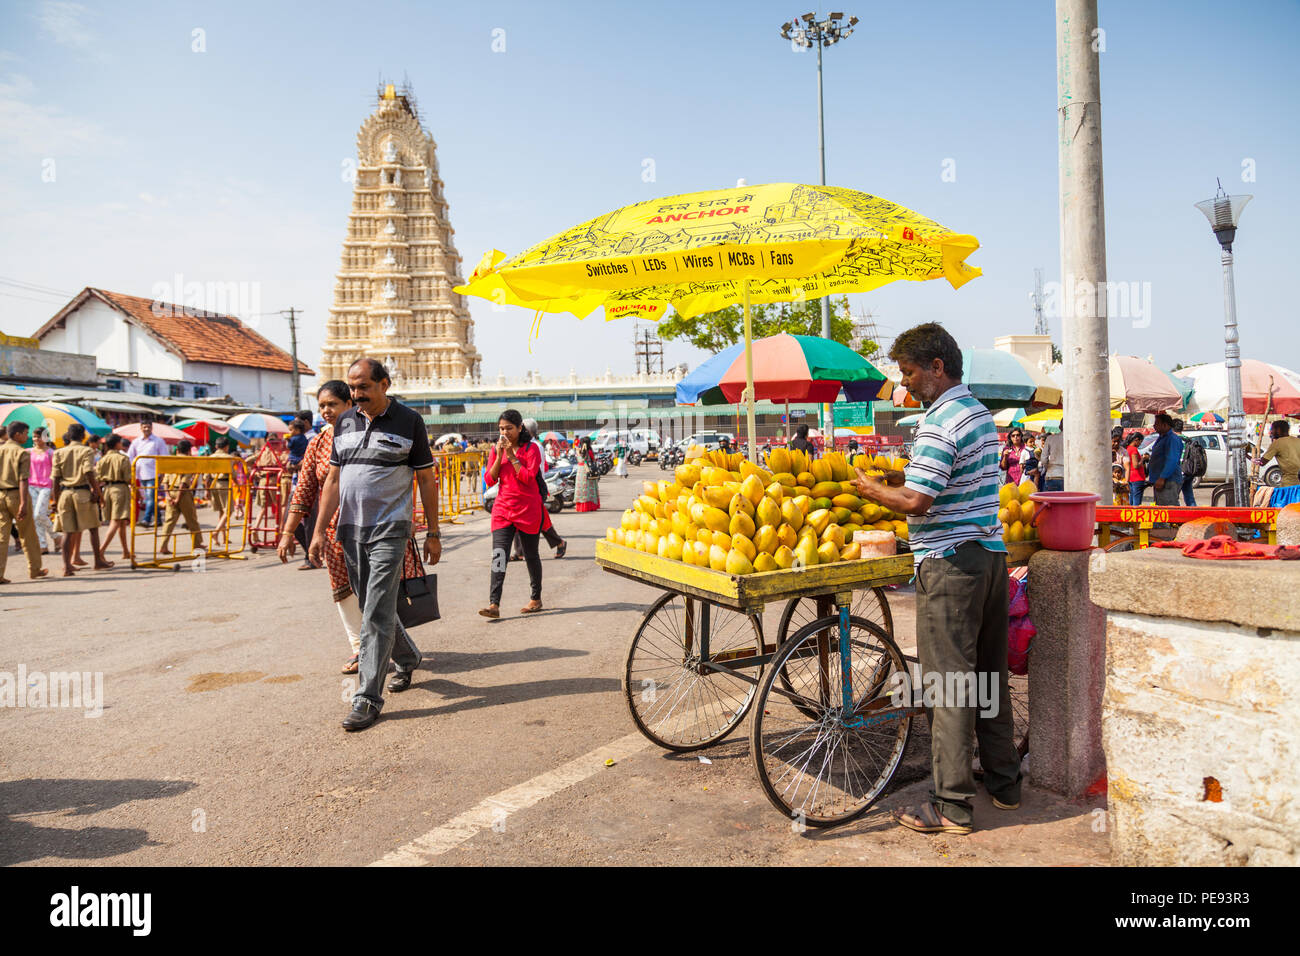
(1052, 416)
(703, 251)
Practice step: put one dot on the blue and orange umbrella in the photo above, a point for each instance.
(54, 417)
(258, 425)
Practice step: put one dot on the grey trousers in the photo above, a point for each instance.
(375, 573)
(1168, 495)
(961, 627)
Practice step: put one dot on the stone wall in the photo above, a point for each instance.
(45, 365)
(1201, 714)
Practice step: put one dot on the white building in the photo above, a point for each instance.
(191, 353)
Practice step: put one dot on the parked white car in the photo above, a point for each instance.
(1215, 444)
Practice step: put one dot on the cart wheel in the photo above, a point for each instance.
(871, 605)
(672, 702)
(1128, 542)
(1018, 691)
(813, 767)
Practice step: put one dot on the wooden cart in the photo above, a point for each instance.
(831, 719)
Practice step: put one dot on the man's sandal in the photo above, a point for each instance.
(353, 665)
(532, 607)
(490, 612)
(927, 820)
(1005, 806)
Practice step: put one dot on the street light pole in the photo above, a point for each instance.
(1224, 212)
(804, 32)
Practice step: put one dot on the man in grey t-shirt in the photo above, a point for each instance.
(378, 446)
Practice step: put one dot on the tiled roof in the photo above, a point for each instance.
(198, 336)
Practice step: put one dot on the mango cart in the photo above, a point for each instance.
(830, 725)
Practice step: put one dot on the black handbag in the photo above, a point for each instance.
(417, 599)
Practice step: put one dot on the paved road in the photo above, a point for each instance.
(219, 740)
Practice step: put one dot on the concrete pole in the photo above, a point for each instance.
(749, 380)
(1086, 346)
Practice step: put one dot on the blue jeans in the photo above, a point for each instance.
(1189, 497)
(375, 574)
(1053, 484)
(150, 500)
(1135, 489)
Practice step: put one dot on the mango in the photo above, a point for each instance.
(851, 552)
(1027, 512)
(645, 522)
(855, 520)
(680, 524)
(900, 529)
(766, 539)
(822, 504)
(828, 553)
(778, 459)
(786, 536)
(629, 520)
(791, 514)
(785, 479)
(775, 491)
(752, 489)
(838, 466)
(883, 525)
(661, 547)
(805, 554)
(765, 562)
(651, 488)
(841, 515)
(852, 502)
(1026, 489)
(768, 513)
(701, 553)
(619, 536)
(717, 496)
(741, 523)
(1016, 532)
(688, 553)
(805, 479)
(804, 504)
(663, 526)
(704, 536)
(819, 520)
(784, 557)
(609, 534)
(741, 543)
(715, 519)
(718, 558)
(748, 468)
(676, 546)
(825, 489)
(688, 474)
(739, 503)
(721, 539)
(1013, 511)
(834, 533)
(820, 470)
(1005, 494)
(650, 542)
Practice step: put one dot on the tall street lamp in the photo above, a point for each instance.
(804, 32)
(1223, 212)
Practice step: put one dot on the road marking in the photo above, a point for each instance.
(495, 808)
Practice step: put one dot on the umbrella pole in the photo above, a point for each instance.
(749, 379)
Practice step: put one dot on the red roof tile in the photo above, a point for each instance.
(198, 336)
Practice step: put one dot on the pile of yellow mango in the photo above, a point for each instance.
(722, 512)
(1016, 511)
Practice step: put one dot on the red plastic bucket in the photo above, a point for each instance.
(1066, 520)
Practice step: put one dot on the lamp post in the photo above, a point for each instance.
(804, 32)
(1223, 212)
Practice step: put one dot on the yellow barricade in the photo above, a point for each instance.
(216, 542)
(460, 476)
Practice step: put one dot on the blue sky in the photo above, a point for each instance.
(127, 159)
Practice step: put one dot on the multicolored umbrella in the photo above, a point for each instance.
(204, 430)
(1050, 420)
(1208, 417)
(999, 380)
(167, 433)
(1210, 384)
(703, 251)
(54, 417)
(787, 368)
(258, 425)
(551, 436)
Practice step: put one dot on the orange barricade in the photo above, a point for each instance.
(188, 541)
(1142, 518)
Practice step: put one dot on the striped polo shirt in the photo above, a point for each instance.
(955, 460)
(377, 458)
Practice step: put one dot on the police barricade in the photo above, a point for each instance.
(460, 492)
(181, 479)
(269, 500)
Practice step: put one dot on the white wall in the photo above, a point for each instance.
(249, 385)
(99, 330)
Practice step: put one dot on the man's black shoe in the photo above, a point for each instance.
(401, 681)
(363, 715)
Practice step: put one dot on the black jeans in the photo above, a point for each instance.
(502, 539)
(550, 534)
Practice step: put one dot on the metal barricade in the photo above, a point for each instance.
(460, 478)
(268, 501)
(226, 539)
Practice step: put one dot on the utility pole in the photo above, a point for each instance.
(1083, 250)
(292, 313)
(1040, 323)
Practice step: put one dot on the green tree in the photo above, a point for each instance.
(714, 331)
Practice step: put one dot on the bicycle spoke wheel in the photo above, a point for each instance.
(672, 701)
(1018, 691)
(870, 604)
(811, 763)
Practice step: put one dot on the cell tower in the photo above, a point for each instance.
(649, 350)
(1040, 321)
(865, 330)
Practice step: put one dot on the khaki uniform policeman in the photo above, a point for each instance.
(114, 472)
(15, 505)
(221, 486)
(78, 489)
(180, 502)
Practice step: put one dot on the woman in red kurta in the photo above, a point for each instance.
(333, 399)
(515, 464)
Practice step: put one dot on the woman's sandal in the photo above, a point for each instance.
(561, 548)
(490, 612)
(353, 665)
(927, 820)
